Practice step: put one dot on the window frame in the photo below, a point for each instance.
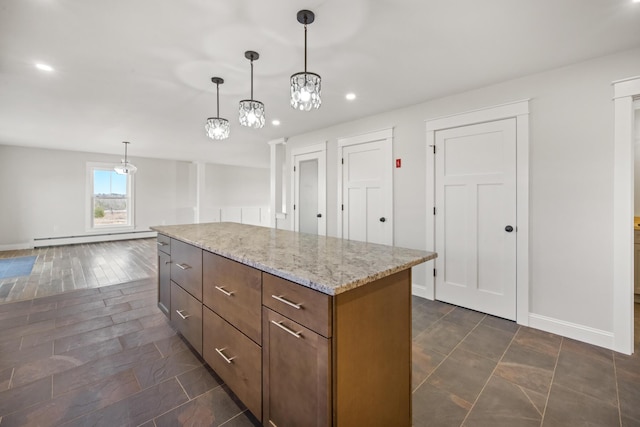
(130, 199)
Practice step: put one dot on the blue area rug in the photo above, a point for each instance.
(14, 267)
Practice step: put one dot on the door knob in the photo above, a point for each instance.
(383, 219)
(508, 229)
(319, 215)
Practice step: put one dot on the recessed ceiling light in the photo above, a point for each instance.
(350, 96)
(44, 67)
(276, 122)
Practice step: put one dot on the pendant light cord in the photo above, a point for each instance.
(218, 98)
(252, 79)
(305, 44)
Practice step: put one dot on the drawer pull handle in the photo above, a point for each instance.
(281, 326)
(183, 266)
(182, 315)
(224, 291)
(226, 359)
(162, 244)
(289, 303)
(167, 262)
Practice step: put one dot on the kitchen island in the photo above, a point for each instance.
(306, 330)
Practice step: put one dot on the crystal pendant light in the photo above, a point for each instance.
(125, 168)
(217, 127)
(305, 86)
(251, 112)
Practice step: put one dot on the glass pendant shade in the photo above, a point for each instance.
(125, 167)
(306, 87)
(251, 112)
(216, 127)
(305, 91)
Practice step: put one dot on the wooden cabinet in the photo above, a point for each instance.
(296, 374)
(164, 282)
(636, 259)
(234, 291)
(294, 356)
(186, 315)
(164, 274)
(186, 267)
(236, 358)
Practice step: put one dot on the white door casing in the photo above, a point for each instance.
(313, 158)
(520, 111)
(365, 187)
(476, 217)
(623, 196)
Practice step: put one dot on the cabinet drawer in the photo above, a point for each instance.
(312, 309)
(236, 358)
(296, 386)
(164, 244)
(186, 315)
(233, 291)
(186, 267)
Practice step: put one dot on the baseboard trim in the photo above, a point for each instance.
(420, 291)
(92, 238)
(572, 330)
(16, 246)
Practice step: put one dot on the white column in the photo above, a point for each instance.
(278, 196)
(200, 190)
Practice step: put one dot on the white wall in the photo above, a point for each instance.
(636, 169)
(571, 179)
(43, 192)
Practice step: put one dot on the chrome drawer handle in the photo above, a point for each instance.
(226, 359)
(183, 266)
(224, 291)
(289, 303)
(182, 315)
(281, 326)
(162, 243)
(167, 262)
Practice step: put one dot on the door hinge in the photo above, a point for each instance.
(434, 149)
(434, 272)
(342, 160)
(294, 168)
(294, 207)
(342, 207)
(434, 210)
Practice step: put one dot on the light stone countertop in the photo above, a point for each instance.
(327, 264)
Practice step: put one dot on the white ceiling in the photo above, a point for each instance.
(140, 70)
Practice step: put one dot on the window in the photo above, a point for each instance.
(110, 198)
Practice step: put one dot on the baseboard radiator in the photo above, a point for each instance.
(91, 238)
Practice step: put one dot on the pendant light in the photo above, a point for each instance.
(217, 127)
(251, 112)
(305, 86)
(125, 168)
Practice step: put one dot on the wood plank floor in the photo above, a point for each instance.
(66, 268)
(106, 356)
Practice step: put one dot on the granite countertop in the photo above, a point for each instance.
(327, 264)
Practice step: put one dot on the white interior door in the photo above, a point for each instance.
(475, 186)
(367, 190)
(309, 192)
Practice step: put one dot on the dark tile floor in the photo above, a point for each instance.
(106, 356)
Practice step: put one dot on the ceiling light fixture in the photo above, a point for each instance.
(305, 86)
(216, 127)
(125, 168)
(276, 122)
(251, 112)
(350, 96)
(44, 67)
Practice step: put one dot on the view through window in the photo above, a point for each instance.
(111, 200)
